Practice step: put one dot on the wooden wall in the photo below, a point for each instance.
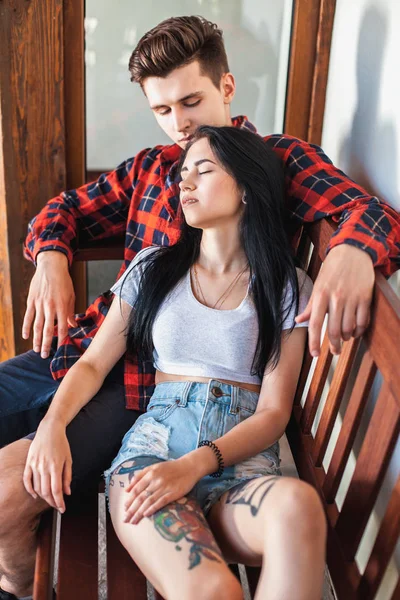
(33, 145)
(312, 26)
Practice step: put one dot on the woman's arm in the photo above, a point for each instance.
(48, 469)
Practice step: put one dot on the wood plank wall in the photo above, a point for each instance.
(36, 160)
(312, 26)
(32, 168)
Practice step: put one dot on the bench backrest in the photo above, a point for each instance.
(352, 425)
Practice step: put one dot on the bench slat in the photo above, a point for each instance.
(396, 593)
(78, 561)
(351, 422)
(371, 466)
(44, 567)
(253, 575)
(384, 546)
(383, 335)
(305, 369)
(334, 399)
(124, 578)
(316, 387)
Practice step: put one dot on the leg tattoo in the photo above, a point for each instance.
(252, 497)
(181, 520)
(184, 520)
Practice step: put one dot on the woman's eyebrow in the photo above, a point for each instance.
(199, 162)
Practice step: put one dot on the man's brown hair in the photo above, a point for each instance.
(176, 42)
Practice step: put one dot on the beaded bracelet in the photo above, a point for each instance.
(217, 453)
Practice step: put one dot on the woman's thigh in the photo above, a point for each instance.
(174, 548)
(247, 515)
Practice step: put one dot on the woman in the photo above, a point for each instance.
(197, 483)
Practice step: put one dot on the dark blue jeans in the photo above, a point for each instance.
(95, 435)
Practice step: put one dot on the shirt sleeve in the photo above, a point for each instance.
(305, 291)
(127, 286)
(315, 189)
(95, 211)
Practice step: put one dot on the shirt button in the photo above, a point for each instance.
(217, 392)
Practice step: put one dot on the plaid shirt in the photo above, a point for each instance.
(140, 198)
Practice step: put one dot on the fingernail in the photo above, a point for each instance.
(36, 348)
(45, 354)
(315, 353)
(61, 511)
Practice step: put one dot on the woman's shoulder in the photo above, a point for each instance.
(305, 289)
(142, 256)
(304, 280)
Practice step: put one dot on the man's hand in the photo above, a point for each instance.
(343, 289)
(51, 297)
(48, 468)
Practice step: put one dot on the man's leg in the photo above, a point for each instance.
(17, 537)
(26, 389)
(95, 436)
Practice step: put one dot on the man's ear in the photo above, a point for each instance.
(228, 87)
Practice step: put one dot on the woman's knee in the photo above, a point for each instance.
(216, 584)
(300, 508)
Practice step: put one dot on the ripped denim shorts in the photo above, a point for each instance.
(179, 416)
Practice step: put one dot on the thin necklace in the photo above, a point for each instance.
(226, 293)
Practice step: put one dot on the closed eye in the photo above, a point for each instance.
(194, 104)
(168, 110)
(204, 172)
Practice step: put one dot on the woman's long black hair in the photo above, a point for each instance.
(259, 174)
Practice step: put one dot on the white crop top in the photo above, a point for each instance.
(192, 339)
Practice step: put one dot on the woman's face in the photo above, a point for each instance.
(210, 197)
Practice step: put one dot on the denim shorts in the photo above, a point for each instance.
(179, 416)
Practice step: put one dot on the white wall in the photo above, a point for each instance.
(361, 135)
(362, 118)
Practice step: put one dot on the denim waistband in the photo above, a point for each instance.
(215, 391)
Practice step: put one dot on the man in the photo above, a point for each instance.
(182, 68)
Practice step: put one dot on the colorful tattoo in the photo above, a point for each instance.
(184, 520)
(251, 495)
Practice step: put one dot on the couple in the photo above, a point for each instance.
(207, 315)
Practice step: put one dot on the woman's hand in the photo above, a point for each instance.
(156, 486)
(48, 469)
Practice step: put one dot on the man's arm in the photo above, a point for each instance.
(94, 211)
(368, 236)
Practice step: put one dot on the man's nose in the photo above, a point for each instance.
(181, 122)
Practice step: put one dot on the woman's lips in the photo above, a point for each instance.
(189, 201)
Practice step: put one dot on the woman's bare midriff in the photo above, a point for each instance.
(160, 376)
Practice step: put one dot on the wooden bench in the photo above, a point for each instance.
(348, 423)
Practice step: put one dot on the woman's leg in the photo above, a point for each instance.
(174, 548)
(277, 522)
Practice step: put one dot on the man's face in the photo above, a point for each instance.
(187, 99)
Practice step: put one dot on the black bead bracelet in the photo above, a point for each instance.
(217, 453)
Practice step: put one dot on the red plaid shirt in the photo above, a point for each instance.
(140, 199)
